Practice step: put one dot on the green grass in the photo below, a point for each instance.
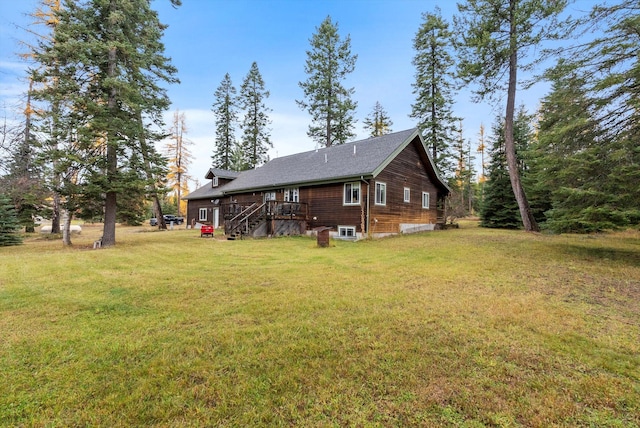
(468, 327)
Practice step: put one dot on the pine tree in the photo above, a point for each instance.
(615, 69)
(499, 208)
(225, 112)
(378, 122)
(256, 138)
(107, 59)
(9, 226)
(569, 161)
(495, 36)
(328, 102)
(433, 88)
(23, 183)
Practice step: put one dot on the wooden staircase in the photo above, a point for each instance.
(246, 229)
(245, 223)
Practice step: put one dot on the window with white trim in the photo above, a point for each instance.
(407, 194)
(351, 193)
(292, 195)
(381, 193)
(202, 214)
(425, 200)
(214, 182)
(269, 196)
(346, 232)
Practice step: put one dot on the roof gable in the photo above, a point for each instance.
(221, 173)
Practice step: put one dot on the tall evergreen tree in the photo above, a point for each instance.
(24, 183)
(109, 63)
(495, 36)
(225, 111)
(329, 103)
(499, 208)
(570, 161)
(256, 138)
(586, 164)
(378, 122)
(615, 67)
(433, 88)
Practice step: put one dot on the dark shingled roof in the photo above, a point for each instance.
(221, 173)
(364, 158)
(326, 164)
(207, 191)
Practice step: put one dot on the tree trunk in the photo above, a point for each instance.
(55, 216)
(109, 228)
(328, 144)
(66, 228)
(434, 133)
(528, 221)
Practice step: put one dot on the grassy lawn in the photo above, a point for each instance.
(467, 327)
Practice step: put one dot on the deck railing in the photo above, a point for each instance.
(238, 217)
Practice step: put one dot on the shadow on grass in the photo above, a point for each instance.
(624, 256)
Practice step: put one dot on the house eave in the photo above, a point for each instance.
(307, 183)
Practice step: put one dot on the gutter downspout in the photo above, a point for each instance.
(367, 216)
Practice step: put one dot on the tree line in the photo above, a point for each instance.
(94, 110)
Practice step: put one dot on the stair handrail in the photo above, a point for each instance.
(242, 212)
(246, 217)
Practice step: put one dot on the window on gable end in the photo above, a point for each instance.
(381, 193)
(425, 200)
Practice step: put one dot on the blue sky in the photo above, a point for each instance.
(208, 38)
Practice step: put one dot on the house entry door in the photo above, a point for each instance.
(216, 217)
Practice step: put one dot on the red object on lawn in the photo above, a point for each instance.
(206, 230)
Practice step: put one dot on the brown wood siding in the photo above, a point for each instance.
(326, 206)
(408, 169)
(193, 210)
(325, 202)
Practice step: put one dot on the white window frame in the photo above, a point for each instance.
(202, 217)
(292, 194)
(269, 196)
(407, 194)
(214, 182)
(425, 200)
(347, 232)
(351, 200)
(381, 194)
